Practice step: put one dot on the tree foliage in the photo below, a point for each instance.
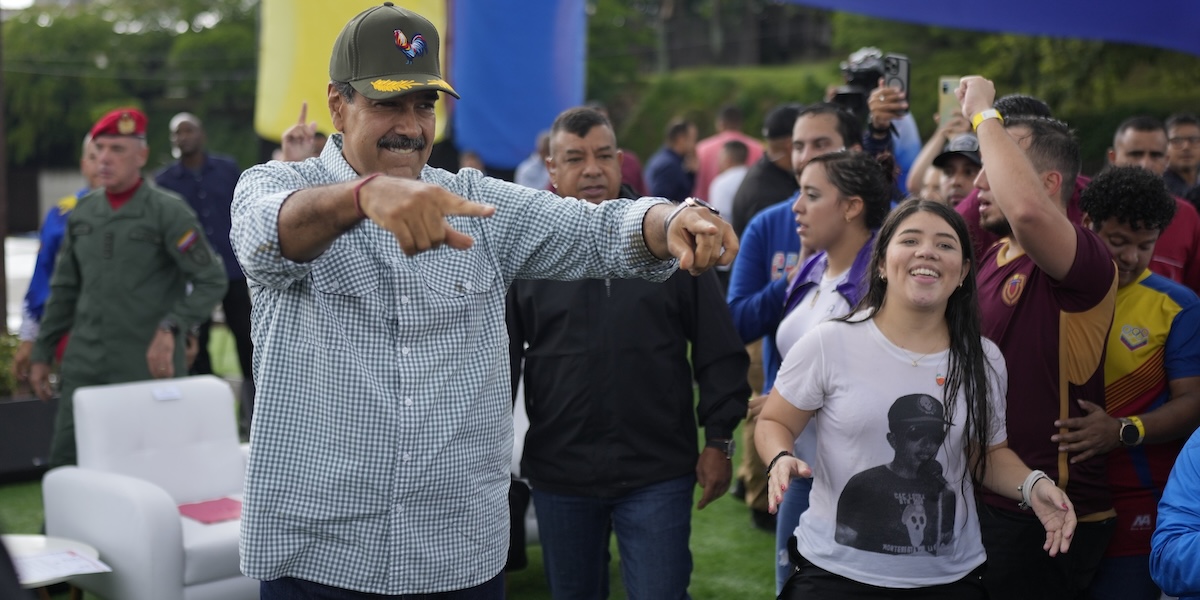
(64, 67)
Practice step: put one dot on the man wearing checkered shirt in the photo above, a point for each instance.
(382, 431)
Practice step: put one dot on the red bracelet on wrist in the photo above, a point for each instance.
(357, 201)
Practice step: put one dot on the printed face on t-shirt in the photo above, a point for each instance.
(918, 443)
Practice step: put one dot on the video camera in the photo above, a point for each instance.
(862, 73)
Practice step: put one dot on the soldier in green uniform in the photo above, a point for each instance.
(120, 286)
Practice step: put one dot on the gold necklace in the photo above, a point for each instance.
(914, 360)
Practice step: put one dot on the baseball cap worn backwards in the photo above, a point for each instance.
(966, 145)
(387, 51)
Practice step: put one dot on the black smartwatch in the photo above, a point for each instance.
(1132, 431)
(724, 445)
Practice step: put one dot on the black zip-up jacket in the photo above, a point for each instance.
(608, 382)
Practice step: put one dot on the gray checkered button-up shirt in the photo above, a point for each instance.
(382, 430)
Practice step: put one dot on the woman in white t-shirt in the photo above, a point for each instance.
(904, 395)
(844, 197)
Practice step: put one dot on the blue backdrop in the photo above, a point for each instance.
(1172, 24)
(517, 64)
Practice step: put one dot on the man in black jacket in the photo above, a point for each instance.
(609, 392)
(771, 179)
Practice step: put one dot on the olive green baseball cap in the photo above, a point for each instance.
(387, 51)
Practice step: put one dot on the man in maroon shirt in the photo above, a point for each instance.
(1142, 142)
(1047, 291)
(1177, 254)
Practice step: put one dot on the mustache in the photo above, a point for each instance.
(401, 142)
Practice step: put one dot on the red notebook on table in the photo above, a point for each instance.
(212, 511)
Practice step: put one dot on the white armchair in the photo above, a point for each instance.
(144, 449)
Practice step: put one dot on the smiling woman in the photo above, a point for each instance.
(911, 384)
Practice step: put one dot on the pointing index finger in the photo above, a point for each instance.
(303, 112)
(458, 205)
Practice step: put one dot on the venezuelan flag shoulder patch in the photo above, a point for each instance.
(186, 240)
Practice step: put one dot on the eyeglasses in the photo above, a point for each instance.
(1190, 140)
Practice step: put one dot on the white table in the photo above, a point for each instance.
(20, 545)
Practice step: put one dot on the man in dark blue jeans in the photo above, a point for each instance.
(611, 446)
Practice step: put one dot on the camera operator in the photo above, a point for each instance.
(890, 126)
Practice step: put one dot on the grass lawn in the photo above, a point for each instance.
(731, 558)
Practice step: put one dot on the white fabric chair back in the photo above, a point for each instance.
(180, 434)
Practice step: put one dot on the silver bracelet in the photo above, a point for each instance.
(684, 205)
(1026, 488)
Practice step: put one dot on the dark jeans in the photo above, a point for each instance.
(652, 523)
(290, 588)
(236, 306)
(795, 502)
(810, 582)
(1019, 568)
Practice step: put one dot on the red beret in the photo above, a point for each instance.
(122, 121)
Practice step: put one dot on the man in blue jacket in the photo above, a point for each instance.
(51, 236)
(768, 260)
(1175, 546)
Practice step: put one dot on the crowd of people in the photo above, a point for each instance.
(970, 373)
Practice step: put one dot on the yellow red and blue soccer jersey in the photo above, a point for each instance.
(1155, 339)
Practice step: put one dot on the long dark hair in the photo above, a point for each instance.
(969, 369)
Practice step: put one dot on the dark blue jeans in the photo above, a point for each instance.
(787, 517)
(290, 588)
(652, 524)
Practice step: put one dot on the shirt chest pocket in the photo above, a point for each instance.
(345, 274)
(450, 273)
(145, 235)
(346, 304)
(82, 239)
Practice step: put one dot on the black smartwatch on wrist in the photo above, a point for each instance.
(1132, 432)
(724, 445)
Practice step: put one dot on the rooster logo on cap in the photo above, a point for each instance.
(411, 49)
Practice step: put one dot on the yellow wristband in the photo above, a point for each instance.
(984, 115)
(1137, 422)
